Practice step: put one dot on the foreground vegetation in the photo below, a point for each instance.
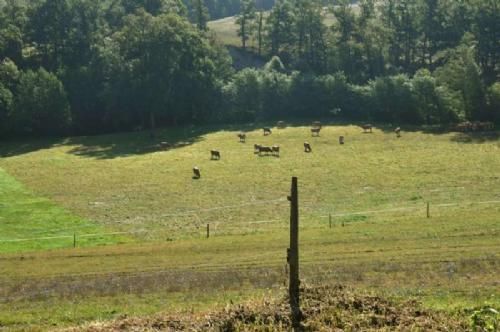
(127, 183)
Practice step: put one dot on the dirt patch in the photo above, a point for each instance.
(324, 309)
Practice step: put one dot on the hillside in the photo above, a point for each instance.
(375, 187)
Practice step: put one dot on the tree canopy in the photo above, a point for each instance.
(83, 66)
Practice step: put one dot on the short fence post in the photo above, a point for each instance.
(330, 220)
(74, 240)
(208, 231)
(428, 210)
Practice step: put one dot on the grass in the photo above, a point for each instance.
(226, 31)
(25, 215)
(124, 183)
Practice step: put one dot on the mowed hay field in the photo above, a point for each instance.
(376, 187)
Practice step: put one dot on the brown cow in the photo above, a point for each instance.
(367, 127)
(315, 131)
(197, 173)
(267, 131)
(265, 149)
(214, 155)
(276, 150)
(242, 136)
(307, 147)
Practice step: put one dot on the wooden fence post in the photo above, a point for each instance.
(293, 256)
(74, 240)
(330, 220)
(428, 210)
(208, 231)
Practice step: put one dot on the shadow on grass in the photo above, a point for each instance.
(108, 146)
(478, 137)
(137, 143)
(122, 144)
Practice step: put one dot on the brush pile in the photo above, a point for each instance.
(324, 309)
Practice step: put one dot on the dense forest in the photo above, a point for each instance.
(88, 67)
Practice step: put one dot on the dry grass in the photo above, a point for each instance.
(323, 309)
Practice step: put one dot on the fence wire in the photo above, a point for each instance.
(219, 225)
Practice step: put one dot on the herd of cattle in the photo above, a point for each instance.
(274, 150)
(316, 127)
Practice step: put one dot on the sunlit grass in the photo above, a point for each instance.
(24, 216)
(122, 182)
(125, 183)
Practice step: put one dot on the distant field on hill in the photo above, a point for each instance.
(226, 29)
(376, 187)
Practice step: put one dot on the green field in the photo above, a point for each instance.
(376, 187)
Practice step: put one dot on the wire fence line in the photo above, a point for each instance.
(409, 208)
(234, 225)
(323, 269)
(186, 213)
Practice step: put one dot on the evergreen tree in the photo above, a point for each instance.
(201, 15)
(245, 21)
(311, 46)
(280, 30)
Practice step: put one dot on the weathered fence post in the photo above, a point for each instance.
(428, 210)
(74, 240)
(208, 231)
(293, 256)
(330, 220)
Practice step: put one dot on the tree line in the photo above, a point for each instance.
(89, 67)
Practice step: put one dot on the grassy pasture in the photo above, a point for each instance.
(124, 183)
(25, 215)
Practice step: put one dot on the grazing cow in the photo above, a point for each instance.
(307, 147)
(267, 131)
(315, 131)
(281, 124)
(398, 131)
(197, 173)
(214, 155)
(265, 149)
(316, 124)
(276, 150)
(242, 136)
(256, 148)
(341, 140)
(367, 127)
